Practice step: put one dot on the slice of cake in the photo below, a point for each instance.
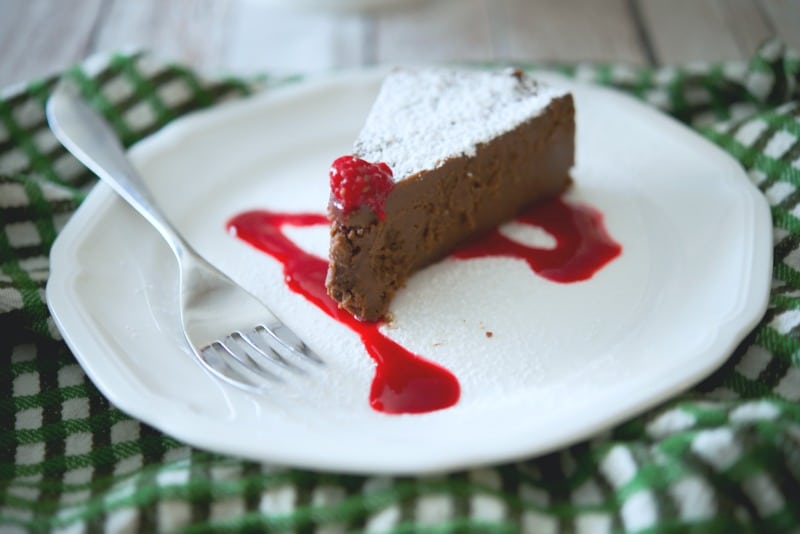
(444, 155)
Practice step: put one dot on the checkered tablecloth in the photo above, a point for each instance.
(723, 456)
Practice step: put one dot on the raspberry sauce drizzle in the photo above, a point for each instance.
(583, 246)
(404, 382)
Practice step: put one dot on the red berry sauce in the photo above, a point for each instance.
(356, 182)
(405, 382)
(583, 246)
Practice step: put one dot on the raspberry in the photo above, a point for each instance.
(356, 182)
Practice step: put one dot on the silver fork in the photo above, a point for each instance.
(232, 333)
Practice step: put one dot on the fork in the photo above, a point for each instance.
(230, 331)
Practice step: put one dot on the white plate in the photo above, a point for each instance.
(565, 361)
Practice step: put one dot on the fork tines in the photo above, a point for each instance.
(261, 352)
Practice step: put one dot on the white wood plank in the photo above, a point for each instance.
(565, 30)
(438, 30)
(785, 18)
(689, 30)
(261, 38)
(747, 22)
(191, 31)
(38, 37)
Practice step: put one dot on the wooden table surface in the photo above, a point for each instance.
(38, 37)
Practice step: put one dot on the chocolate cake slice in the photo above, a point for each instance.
(444, 155)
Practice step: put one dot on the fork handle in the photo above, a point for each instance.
(92, 141)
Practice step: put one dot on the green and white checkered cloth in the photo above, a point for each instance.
(724, 456)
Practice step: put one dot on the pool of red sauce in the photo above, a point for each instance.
(405, 382)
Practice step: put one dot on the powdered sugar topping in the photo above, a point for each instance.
(423, 117)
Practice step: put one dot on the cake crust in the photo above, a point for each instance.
(429, 213)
